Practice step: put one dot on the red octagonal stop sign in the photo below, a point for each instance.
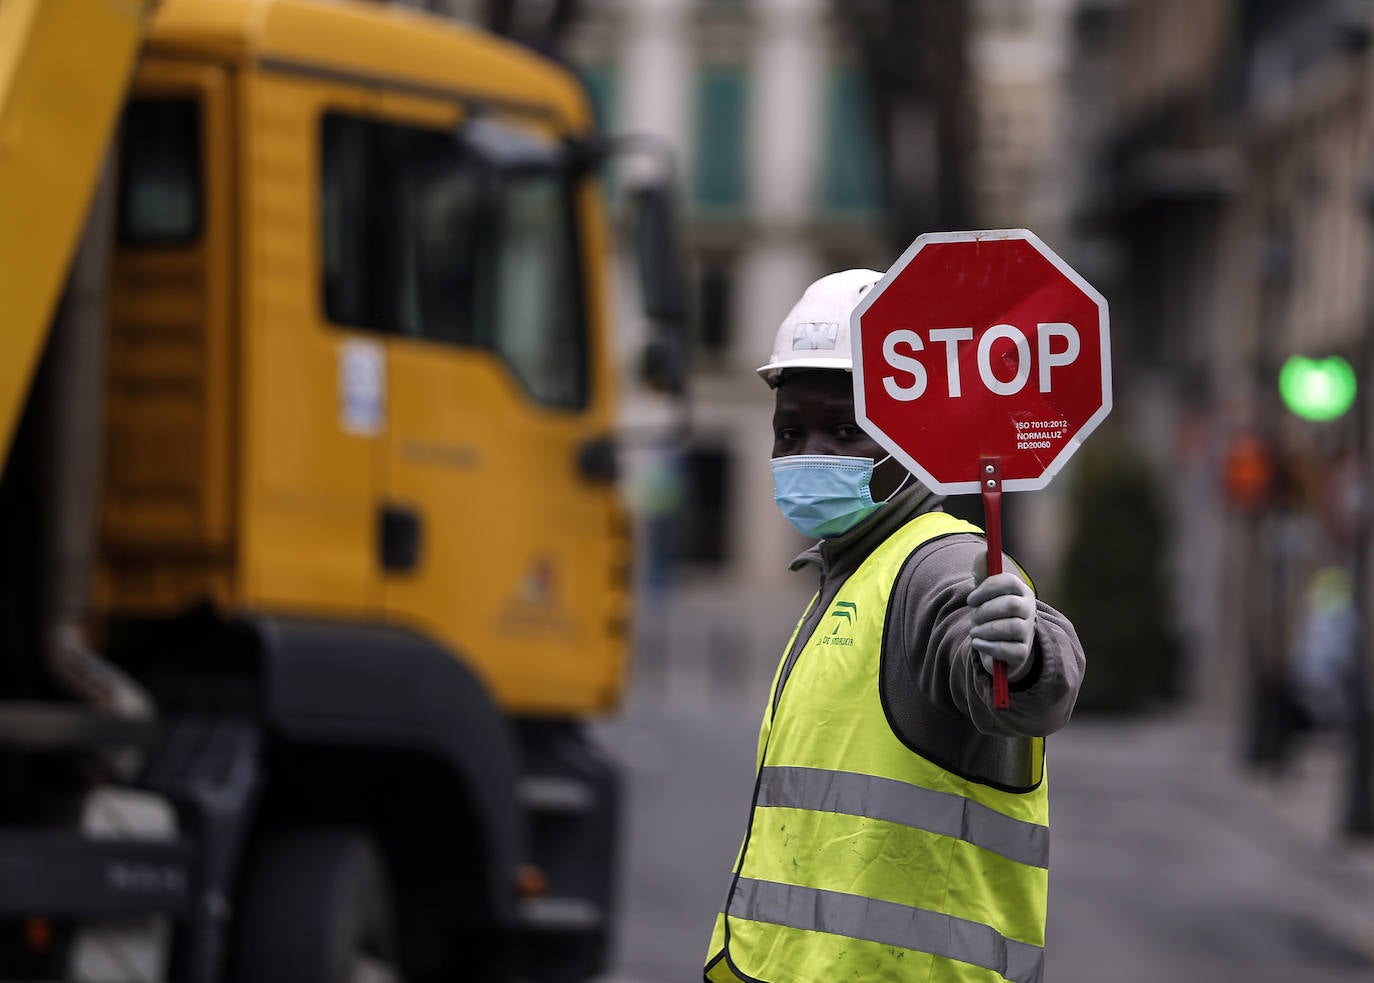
(981, 345)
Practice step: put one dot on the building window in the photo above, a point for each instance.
(851, 179)
(466, 240)
(704, 529)
(715, 303)
(160, 180)
(720, 149)
(601, 82)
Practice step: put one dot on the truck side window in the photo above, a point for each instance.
(536, 321)
(438, 200)
(160, 172)
(344, 252)
(422, 237)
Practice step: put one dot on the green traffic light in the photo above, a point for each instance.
(1317, 388)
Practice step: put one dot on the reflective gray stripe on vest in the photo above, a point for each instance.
(909, 805)
(887, 923)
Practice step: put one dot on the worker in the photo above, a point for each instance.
(899, 828)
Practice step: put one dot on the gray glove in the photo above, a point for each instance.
(1003, 621)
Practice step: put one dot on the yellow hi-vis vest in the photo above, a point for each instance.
(863, 860)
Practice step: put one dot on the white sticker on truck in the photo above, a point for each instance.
(362, 387)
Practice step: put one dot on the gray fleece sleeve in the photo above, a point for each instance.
(928, 624)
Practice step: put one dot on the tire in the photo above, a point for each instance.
(315, 907)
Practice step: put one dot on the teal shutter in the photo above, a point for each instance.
(851, 179)
(601, 81)
(719, 181)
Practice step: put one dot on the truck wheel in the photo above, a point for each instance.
(315, 907)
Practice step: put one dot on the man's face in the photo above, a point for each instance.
(814, 414)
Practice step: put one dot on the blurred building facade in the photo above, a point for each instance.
(1199, 161)
(1225, 205)
(766, 104)
(763, 102)
(1019, 57)
(1206, 164)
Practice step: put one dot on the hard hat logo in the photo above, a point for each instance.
(815, 332)
(815, 336)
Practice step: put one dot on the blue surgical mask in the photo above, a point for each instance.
(824, 495)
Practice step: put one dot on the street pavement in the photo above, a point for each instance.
(1170, 861)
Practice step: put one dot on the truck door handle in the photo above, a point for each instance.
(597, 461)
(400, 536)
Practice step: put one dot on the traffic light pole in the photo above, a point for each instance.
(1359, 805)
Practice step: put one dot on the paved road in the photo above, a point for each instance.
(1169, 863)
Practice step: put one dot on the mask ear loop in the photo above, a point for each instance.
(899, 487)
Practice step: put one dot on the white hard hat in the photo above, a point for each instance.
(815, 332)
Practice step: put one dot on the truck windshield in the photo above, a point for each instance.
(427, 236)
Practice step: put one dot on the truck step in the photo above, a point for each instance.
(38, 726)
(556, 794)
(69, 874)
(561, 915)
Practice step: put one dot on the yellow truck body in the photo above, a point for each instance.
(60, 94)
(259, 436)
(360, 573)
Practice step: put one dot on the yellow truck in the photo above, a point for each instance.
(312, 564)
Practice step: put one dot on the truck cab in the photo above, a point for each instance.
(358, 544)
(360, 349)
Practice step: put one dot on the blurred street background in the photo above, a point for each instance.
(1167, 861)
(1207, 165)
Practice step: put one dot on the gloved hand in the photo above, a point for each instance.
(1003, 620)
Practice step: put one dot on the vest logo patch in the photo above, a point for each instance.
(843, 612)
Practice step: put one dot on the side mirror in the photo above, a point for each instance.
(658, 248)
(663, 366)
(655, 230)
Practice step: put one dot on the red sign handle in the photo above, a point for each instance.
(990, 482)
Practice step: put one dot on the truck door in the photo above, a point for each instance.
(491, 537)
(310, 368)
(168, 522)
